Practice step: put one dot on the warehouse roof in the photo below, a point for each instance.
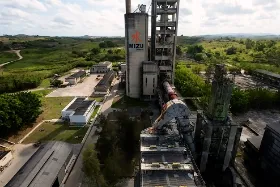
(77, 74)
(42, 169)
(275, 127)
(255, 141)
(106, 63)
(107, 78)
(83, 107)
(77, 102)
(79, 105)
(268, 73)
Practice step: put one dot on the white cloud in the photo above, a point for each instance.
(106, 17)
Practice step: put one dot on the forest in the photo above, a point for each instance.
(18, 111)
(116, 152)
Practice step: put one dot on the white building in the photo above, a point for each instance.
(75, 78)
(102, 67)
(79, 110)
(150, 74)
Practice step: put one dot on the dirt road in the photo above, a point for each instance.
(19, 57)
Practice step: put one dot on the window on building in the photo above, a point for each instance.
(154, 82)
(146, 81)
(153, 90)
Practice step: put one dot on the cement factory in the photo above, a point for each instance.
(176, 151)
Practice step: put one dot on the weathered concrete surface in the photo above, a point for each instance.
(86, 88)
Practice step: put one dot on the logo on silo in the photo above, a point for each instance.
(137, 41)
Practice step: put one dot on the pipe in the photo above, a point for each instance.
(128, 6)
(169, 90)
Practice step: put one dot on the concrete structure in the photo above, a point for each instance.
(150, 79)
(102, 67)
(216, 135)
(270, 78)
(165, 15)
(270, 153)
(75, 78)
(79, 110)
(102, 88)
(136, 44)
(5, 158)
(47, 167)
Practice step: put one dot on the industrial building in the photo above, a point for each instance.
(102, 67)
(102, 88)
(47, 167)
(162, 47)
(270, 78)
(79, 110)
(75, 78)
(270, 153)
(176, 151)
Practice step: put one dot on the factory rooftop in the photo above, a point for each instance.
(167, 161)
(274, 127)
(79, 105)
(43, 168)
(77, 74)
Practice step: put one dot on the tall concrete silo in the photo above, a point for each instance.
(136, 36)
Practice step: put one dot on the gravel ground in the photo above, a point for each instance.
(85, 88)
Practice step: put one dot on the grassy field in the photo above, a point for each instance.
(98, 99)
(57, 132)
(52, 106)
(7, 57)
(126, 102)
(94, 112)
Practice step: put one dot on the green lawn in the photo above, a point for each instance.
(57, 132)
(126, 102)
(94, 112)
(52, 106)
(7, 57)
(45, 83)
(97, 99)
(43, 93)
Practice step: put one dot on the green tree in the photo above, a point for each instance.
(56, 82)
(103, 45)
(110, 51)
(91, 167)
(179, 51)
(196, 69)
(95, 50)
(249, 44)
(260, 46)
(231, 50)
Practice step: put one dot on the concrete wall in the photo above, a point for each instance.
(136, 32)
(66, 113)
(149, 83)
(72, 81)
(6, 159)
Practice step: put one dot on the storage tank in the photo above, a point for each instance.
(136, 33)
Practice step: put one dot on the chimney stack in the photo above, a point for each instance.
(128, 6)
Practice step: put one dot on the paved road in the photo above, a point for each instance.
(19, 58)
(76, 176)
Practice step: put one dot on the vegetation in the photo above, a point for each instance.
(95, 112)
(52, 106)
(125, 102)
(17, 111)
(57, 132)
(45, 57)
(7, 57)
(191, 85)
(117, 148)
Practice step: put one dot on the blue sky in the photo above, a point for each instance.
(106, 17)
